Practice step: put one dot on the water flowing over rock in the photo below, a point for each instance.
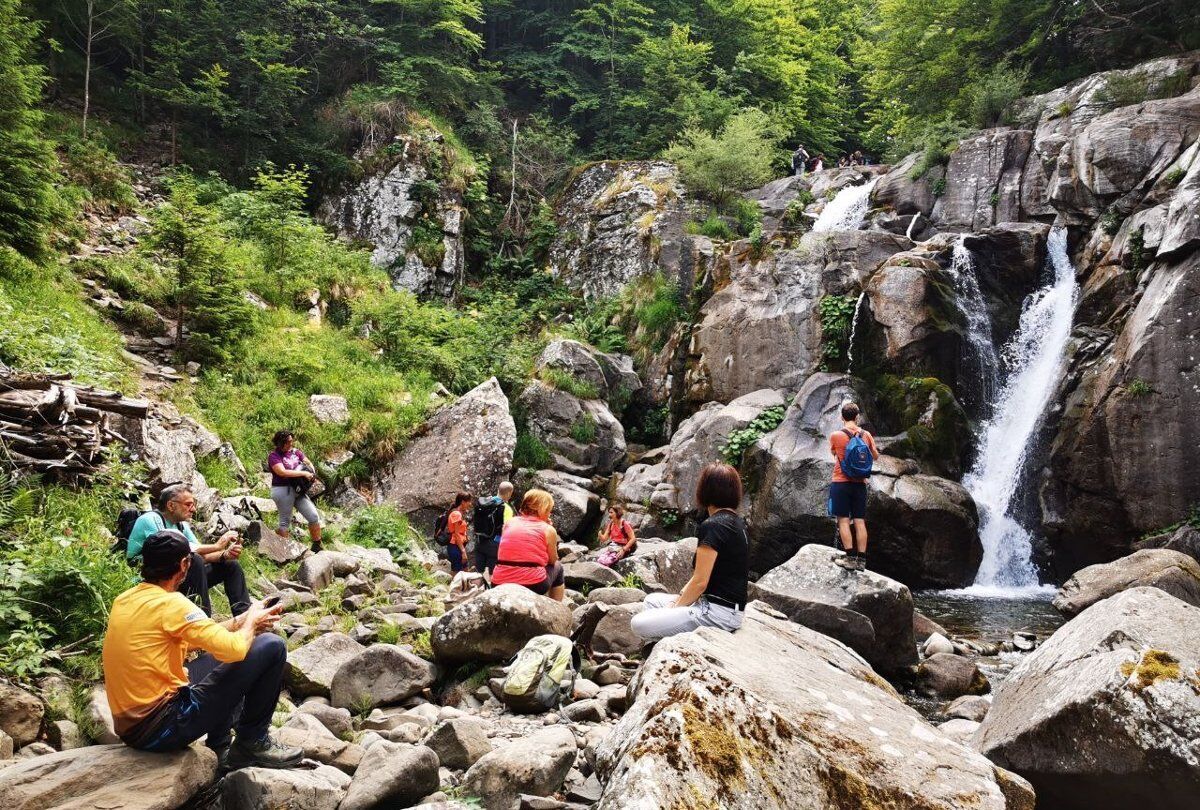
(413, 224)
(1036, 365)
(923, 528)
(803, 723)
(1118, 681)
(847, 210)
(617, 222)
(466, 445)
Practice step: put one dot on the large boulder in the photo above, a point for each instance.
(576, 508)
(535, 765)
(912, 309)
(459, 742)
(699, 440)
(1169, 571)
(1106, 712)
(581, 433)
(801, 724)
(392, 209)
(661, 566)
(812, 577)
(617, 222)
(382, 674)
(21, 714)
(114, 777)
(321, 788)
(496, 624)
(467, 445)
(1137, 391)
(575, 360)
(169, 444)
(1185, 539)
(924, 529)
(947, 676)
(983, 180)
(1116, 158)
(904, 192)
(321, 569)
(310, 668)
(763, 330)
(392, 775)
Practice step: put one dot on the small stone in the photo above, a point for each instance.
(329, 408)
(586, 711)
(459, 743)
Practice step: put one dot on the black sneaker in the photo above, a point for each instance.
(265, 753)
(222, 753)
(316, 548)
(847, 561)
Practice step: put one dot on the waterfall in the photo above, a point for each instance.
(1034, 357)
(846, 211)
(853, 332)
(982, 363)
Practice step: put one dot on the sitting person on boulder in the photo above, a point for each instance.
(212, 563)
(528, 553)
(157, 703)
(715, 596)
(291, 477)
(619, 535)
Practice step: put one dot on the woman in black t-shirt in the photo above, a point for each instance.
(715, 596)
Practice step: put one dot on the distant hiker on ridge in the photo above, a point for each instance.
(854, 452)
(799, 160)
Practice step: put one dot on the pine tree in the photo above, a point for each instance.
(27, 199)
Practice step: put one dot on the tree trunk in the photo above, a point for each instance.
(87, 63)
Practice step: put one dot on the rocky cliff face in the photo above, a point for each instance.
(411, 218)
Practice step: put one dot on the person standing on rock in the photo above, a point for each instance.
(291, 477)
(716, 594)
(528, 553)
(800, 160)
(491, 515)
(853, 451)
(619, 536)
(212, 563)
(456, 526)
(158, 704)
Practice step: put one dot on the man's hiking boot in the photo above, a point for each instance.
(316, 548)
(860, 563)
(264, 753)
(847, 561)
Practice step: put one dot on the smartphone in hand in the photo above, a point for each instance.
(272, 601)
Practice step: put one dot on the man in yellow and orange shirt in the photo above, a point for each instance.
(157, 703)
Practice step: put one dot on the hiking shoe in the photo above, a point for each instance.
(222, 753)
(860, 563)
(316, 548)
(264, 753)
(846, 561)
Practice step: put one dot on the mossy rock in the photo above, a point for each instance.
(937, 431)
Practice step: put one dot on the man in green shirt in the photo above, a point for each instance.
(212, 564)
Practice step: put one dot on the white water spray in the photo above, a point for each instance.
(908, 233)
(853, 332)
(981, 345)
(1034, 356)
(846, 211)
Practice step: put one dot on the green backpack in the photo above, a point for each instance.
(540, 675)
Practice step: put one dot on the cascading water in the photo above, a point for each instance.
(853, 331)
(981, 361)
(846, 211)
(1034, 357)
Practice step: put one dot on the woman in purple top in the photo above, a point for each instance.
(290, 473)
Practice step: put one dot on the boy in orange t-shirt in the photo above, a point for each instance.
(848, 496)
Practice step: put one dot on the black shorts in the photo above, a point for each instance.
(848, 499)
(555, 577)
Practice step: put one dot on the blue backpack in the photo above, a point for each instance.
(857, 461)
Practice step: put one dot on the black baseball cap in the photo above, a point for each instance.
(164, 549)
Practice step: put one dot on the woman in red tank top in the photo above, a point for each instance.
(528, 553)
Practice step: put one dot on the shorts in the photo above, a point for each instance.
(848, 499)
(555, 578)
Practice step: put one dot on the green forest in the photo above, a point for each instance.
(250, 113)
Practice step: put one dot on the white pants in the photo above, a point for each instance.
(660, 620)
(286, 500)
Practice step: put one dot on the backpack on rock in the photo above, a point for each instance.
(540, 676)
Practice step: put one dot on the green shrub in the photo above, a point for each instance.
(990, 96)
(565, 381)
(747, 214)
(1139, 388)
(714, 227)
(380, 527)
(1175, 177)
(1123, 90)
(793, 215)
(1111, 220)
(837, 319)
(143, 318)
(530, 453)
(584, 429)
(740, 156)
(388, 633)
(741, 440)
